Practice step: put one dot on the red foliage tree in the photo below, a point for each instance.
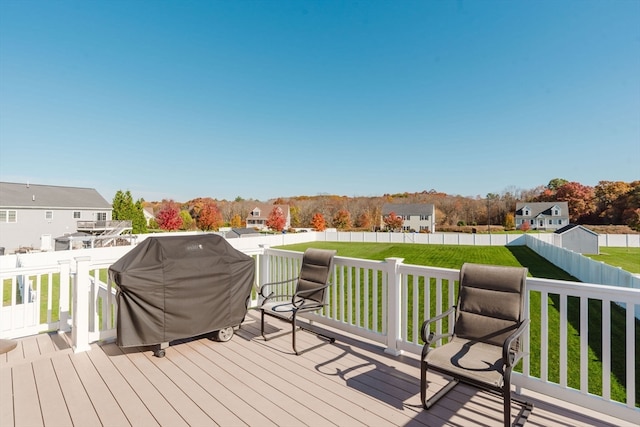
(393, 222)
(209, 217)
(318, 222)
(525, 226)
(168, 217)
(580, 199)
(276, 220)
(364, 220)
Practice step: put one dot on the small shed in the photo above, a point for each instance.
(577, 239)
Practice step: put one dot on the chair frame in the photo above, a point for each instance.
(511, 355)
(295, 304)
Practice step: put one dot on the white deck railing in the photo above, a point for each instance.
(384, 301)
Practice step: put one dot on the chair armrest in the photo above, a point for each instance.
(510, 358)
(299, 295)
(266, 285)
(428, 339)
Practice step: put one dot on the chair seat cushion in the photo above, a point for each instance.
(285, 309)
(464, 358)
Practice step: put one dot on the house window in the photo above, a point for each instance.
(76, 215)
(526, 212)
(48, 215)
(8, 216)
(550, 221)
(101, 216)
(556, 212)
(424, 217)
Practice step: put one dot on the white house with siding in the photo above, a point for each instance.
(259, 215)
(542, 215)
(420, 217)
(32, 216)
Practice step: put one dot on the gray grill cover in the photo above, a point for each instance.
(177, 287)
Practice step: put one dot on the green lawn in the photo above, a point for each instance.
(626, 258)
(453, 256)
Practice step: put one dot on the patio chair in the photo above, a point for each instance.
(484, 345)
(310, 293)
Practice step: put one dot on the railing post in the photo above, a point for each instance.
(80, 320)
(63, 324)
(394, 310)
(263, 270)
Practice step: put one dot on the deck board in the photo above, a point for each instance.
(132, 406)
(163, 413)
(78, 402)
(104, 403)
(52, 405)
(25, 397)
(246, 381)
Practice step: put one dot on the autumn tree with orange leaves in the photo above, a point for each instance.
(342, 220)
(209, 217)
(276, 220)
(318, 222)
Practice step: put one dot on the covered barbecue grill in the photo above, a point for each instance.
(177, 287)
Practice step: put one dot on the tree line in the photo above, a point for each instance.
(608, 203)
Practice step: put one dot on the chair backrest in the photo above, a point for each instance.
(317, 265)
(490, 302)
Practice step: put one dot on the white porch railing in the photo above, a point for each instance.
(384, 301)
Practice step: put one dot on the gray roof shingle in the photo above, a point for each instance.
(29, 196)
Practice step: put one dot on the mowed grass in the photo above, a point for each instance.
(445, 256)
(454, 256)
(626, 258)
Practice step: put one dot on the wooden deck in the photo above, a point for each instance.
(245, 381)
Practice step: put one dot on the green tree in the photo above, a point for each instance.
(122, 205)
(125, 210)
(556, 183)
(187, 221)
(139, 222)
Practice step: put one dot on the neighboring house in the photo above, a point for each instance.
(259, 215)
(148, 214)
(577, 238)
(31, 216)
(542, 215)
(415, 216)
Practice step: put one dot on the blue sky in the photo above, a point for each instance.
(262, 99)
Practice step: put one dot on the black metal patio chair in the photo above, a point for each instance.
(310, 294)
(485, 344)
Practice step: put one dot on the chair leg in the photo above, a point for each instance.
(428, 403)
(293, 335)
(262, 324)
(507, 404)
